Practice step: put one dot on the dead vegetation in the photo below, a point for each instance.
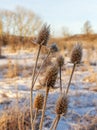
(12, 119)
(25, 119)
(92, 78)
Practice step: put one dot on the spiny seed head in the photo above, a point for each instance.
(51, 76)
(54, 47)
(43, 35)
(76, 54)
(60, 61)
(62, 105)
(38, 101)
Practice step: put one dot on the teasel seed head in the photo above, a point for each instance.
(62, 105)
(51, 76)
(76, 54)
(38, 101)
(54, 47)
(60, 61)
(43, 35)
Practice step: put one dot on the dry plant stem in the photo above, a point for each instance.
(17, 98)
(31, 108)
(53, 123)
(57, 120)
(31, 93)
(34, 71)
(60, 81)
(35, 118)
(22, 121)
(41, 67)
(70, 78)
(44, 107)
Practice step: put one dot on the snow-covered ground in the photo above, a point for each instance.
(82, 101)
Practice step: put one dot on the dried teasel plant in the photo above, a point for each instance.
(43, 35)
(42, 39)
(61, 109)
(38, 102)
(76, 54)
(49, 81)
(38, 105)
(60, 62)
(76, 57)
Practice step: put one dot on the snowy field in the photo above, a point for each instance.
(82, 95)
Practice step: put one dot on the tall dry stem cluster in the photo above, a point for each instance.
(50, 80)
(40, 101)
(41, 40)
(62, 102)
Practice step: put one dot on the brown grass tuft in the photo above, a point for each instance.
(13, 70)
(14, 120)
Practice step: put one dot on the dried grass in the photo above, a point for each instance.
(15, 120)
(91, 78)
(13, 70)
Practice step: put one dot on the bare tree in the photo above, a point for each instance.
(20, 22)
(27, 22)
(87, 28)
(7, 19)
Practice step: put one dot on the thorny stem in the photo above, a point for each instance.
(53, 123)
(70, 78)
(31, 93)
(44, 107)
(31, 108)
(60, 81)
(34, 71)
(35, 119)
(57, 120)
(37, 77)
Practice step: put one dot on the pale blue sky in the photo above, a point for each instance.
(59, 13)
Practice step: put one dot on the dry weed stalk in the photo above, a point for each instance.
(60, 62)
(43, 35)
(76, 57)
(49, 81)
(61, 108)
(38, 105)
(41, 40)
(14, 67)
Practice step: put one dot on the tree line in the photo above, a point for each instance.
(20, 23)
